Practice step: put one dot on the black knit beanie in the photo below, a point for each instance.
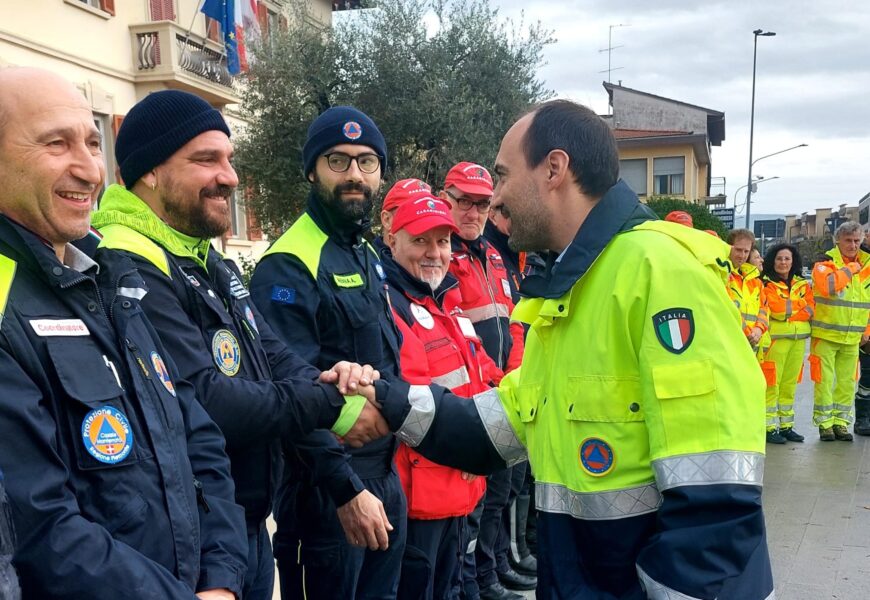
(158, 126)
(341, 125)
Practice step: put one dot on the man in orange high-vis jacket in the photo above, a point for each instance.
(840, 325)
(744, 287)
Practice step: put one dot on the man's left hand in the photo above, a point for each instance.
(219, 594)
(370, 425)
(348, 376)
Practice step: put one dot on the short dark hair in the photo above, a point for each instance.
(767, 269)
(582, 135)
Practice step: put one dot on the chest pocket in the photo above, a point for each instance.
(603, 399)
(90, 383)
(471, 282)
(213, 313)
(361, 309)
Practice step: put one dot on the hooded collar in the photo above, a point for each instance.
(476, 247)
(618, 210)
(399, 278)
(335, 225)
(122, 207)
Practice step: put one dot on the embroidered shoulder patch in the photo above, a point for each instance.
(675, 329)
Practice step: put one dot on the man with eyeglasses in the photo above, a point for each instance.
(486, 300)
(323, 290)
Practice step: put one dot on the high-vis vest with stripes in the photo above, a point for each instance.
(842, 299)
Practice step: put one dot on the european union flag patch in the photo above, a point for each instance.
(283, 295)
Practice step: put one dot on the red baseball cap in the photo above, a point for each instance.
(469, 178)
(423, 214)
(405, 189)
(681, 217)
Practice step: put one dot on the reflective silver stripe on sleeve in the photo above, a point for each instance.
(488, 311)
(498, 427)
(453, 379)
(419, 419)
(788, 308)
(597, 506)
(708, 468)
(137, 293)
(810, 311)
(832, 290)
(839, 302)
(657, 591)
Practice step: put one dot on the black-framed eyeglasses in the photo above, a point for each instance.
(482, 206)
(340, 162)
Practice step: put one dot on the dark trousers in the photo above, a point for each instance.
(506, 534)
(260, 578)
(439, 542)
(498, 487)
(332, 568)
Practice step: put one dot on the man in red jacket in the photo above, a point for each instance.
(485, 291)
(439, 346)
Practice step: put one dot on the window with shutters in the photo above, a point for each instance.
(633, 172)
(669, 174)
(106, 6)
(162, 10)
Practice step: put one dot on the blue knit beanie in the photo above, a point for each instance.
(341, 125)
(158, 126)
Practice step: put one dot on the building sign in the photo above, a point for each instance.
(726, 215)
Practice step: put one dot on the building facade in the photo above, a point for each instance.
(664, 144)
(118, 51)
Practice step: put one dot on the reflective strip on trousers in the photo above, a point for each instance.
(453, 379)
(420, 417)
(488, 311)
(789, 336)
(839, 302)
(833, 327)
(709, 468)
(498, 427)
(595, 506)
(842, 407)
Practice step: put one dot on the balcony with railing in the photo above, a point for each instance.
(164, 52)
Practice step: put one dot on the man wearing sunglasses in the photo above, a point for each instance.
(322, 289)
(486, 299)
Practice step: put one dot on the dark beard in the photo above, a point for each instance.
(193, 220)
(345, 210)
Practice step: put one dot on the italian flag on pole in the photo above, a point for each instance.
(675, 329)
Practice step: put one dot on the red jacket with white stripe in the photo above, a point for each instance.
(486, 299)
(437, 347)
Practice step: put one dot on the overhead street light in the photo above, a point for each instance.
(752, 187)
(779, 152)
(756, 33)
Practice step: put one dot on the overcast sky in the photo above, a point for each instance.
(812, 83)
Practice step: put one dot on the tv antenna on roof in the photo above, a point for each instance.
(610, 48)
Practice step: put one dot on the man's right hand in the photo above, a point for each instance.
(854, 267)
(364, 522)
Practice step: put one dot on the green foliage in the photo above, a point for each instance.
(439, 96)
(701, 217)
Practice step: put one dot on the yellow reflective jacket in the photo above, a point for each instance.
(654, 380)
(842, 299)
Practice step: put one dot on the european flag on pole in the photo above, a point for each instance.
(223, 11)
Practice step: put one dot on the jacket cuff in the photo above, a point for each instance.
(344, 489)
(353, 406)
(393, 396)
(221, 576)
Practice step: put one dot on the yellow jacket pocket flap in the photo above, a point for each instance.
(604, 399)
(690, 378)
(528, 396)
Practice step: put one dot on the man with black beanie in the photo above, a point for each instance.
(322, 289)
(173, 151)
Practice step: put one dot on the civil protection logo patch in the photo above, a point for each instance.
(675, 329)
(162, 372)
(352, 130)
(596, 457)
(226, 353)
(107, 435)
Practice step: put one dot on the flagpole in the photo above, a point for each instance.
(193, 20)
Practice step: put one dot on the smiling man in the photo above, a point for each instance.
(117, 478)
(322, 288)
(174, 153)
(647, 451)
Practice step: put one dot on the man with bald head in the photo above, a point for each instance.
(117, 478)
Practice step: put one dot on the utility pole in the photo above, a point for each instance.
(610, 48)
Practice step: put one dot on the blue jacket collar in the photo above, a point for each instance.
(619, 210)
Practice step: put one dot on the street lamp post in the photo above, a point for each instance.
(748, 197)
(751, 187)
(756, 33)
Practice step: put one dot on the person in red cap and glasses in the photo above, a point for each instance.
(681, 217)
(440, 346)
(485, 291)
(402, 190)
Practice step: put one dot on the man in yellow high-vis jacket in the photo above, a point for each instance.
(840, 325)
(647, 449)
